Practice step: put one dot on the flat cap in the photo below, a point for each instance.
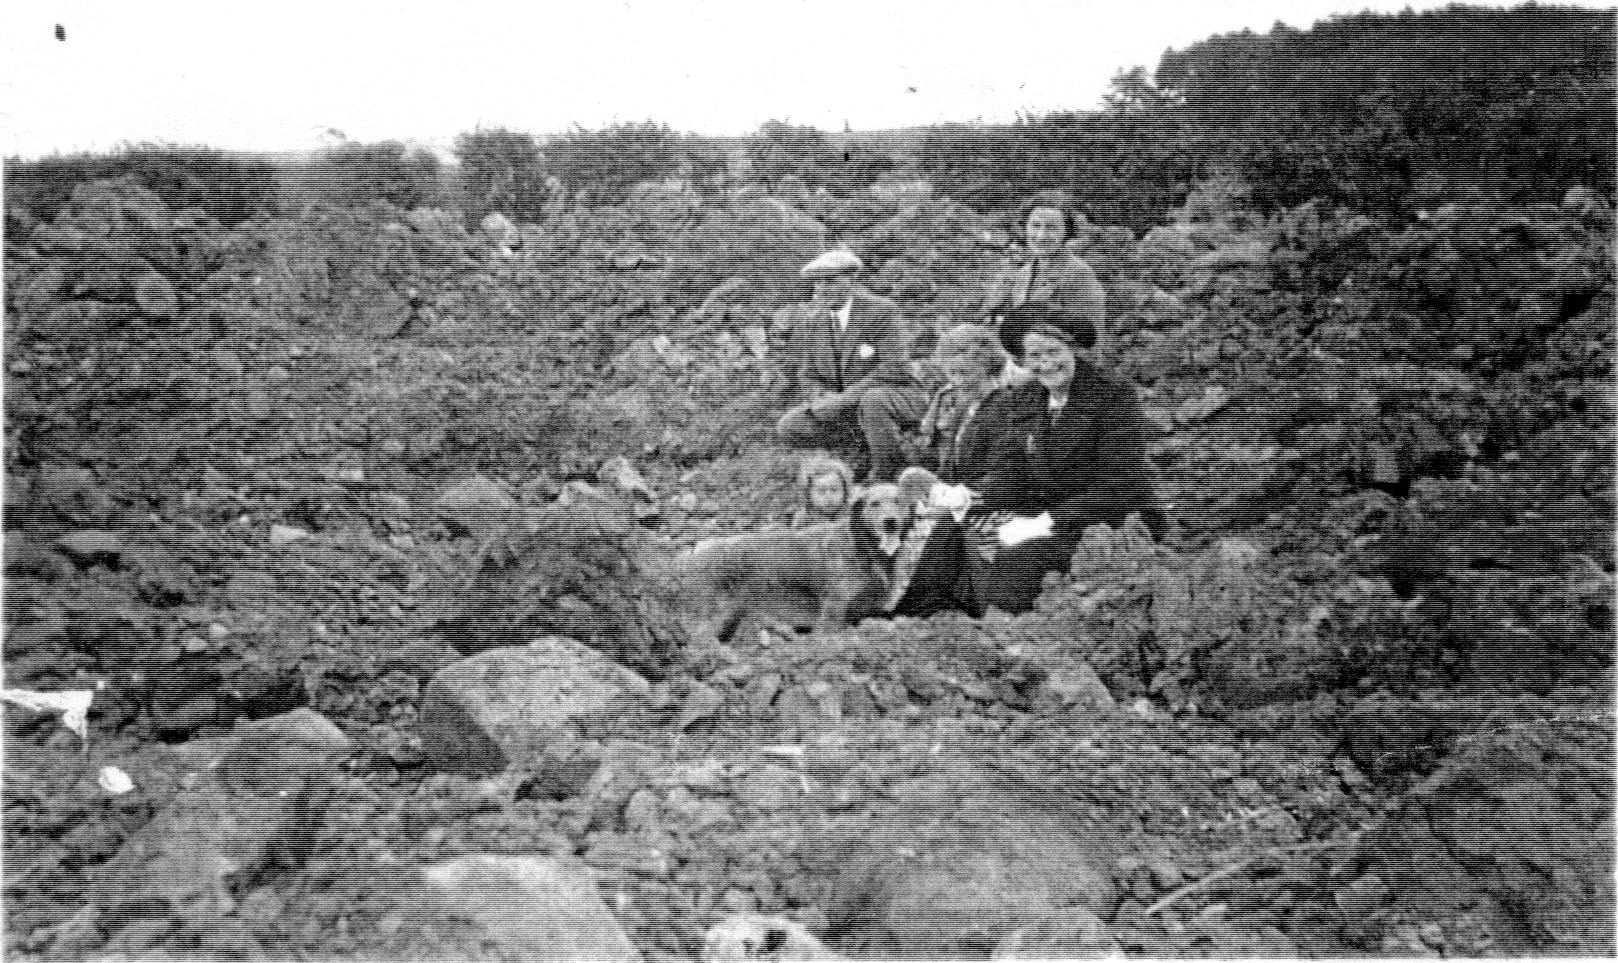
(833, 263)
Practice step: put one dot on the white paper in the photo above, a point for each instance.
(73, 705)
(1019, 531)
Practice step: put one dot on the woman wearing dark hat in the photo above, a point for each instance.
(1071, 453)
(1054, 455)
(1048, 273)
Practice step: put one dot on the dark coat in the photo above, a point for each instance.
(1065, 282)
(1087, 467)
(827, 359)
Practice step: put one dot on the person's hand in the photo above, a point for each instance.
(955, 499)
(1024, 529)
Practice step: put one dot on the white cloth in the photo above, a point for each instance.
(1023, 529)
(73, 705)
(844, 314)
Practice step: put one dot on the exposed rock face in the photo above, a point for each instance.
(506, 704)
(529, 908)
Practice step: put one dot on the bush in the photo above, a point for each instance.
(502, 171)
(358, 174)
(602, 166)
(1126, 168)
(228, 187)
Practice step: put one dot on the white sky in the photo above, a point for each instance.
(276, 75)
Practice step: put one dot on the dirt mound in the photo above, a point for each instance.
(1506, 849)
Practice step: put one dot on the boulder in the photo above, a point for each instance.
(476, 506)
(246, 800)
(528, 908)
(510, 703)
(286, 534)
(951, 876)
(90, 545)
(1078, 685)
(156, 297)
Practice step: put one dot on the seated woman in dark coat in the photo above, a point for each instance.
(1070, 452)
(1059, 454)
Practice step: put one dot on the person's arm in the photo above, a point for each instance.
(1117, 478)
(998, 298)
(1000, 474)
(806, 346)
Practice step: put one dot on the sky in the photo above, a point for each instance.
(286, 75)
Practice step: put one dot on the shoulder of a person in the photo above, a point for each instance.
(1104, 387)
(1074, 264)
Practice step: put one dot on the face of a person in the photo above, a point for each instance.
(966, 373)
(834, 292)
(1046, 230)
(1049, 360)
(826, 494)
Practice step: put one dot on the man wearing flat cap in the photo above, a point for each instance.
(853, 359)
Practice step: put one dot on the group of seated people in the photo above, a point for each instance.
(1032, 439)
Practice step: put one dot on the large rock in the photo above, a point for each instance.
(244, 801)
(476, 506)
(510, 703)
(529, 909)
(942, 880)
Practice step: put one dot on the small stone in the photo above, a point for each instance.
(748, 937)
(217, 631)
(114, 781)
(1077, 935)
(277, 373)
(643, 810)
(193, 646)
(771, 788)
(1079, 686)
(1364, 897)
(137, 939)
(1432, 934)
(286, 534)
(156, 297)
(739, 901)
(91, 545)
(1167, 876)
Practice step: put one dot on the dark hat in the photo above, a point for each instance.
(1049, 320)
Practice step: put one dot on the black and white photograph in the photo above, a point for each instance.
(808, 480)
